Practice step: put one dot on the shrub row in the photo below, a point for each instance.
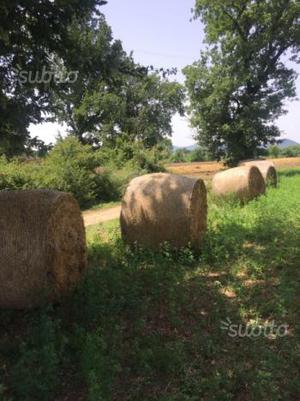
(91, 176)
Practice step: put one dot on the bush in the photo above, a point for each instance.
(290, 151)
(274, 151)
(70, 167)
(130, 159)
(180, 156)
(134, 153)
(91, 176)
(199, 155)
(17, 174)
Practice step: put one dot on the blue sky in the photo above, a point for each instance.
(160, 33)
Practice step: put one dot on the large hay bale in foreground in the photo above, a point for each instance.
(267, 169)
(161, 208)
(245, 183)
(42, 247)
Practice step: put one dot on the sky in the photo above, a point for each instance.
(161, 33)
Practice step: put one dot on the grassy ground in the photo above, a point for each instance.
(152, 326)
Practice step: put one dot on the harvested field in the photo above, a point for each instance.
(206, 170)
(288, 162)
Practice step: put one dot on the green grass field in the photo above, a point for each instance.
(147, 326)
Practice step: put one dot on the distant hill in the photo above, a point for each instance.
(190, 148)
(286, 143)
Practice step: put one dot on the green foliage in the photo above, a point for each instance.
(34, 376)
(117, 97)
(134, 152)
(35, 147)
(33, 34)
(238, 88)
(289, 151)
(91, 176)
(137, 106)
(180, 155)
(130, 159)
(70, 167)
(274, 151)
(199, 154)
(111, 95)
(147, 325)
(17, 174)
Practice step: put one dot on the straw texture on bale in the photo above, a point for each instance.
(245, 183)
(42, 247)
(161, 208)
(267, 169)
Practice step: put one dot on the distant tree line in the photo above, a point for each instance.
(290, 151)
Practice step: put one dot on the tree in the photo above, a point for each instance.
(102, 65)
(238, 88)
(140, 108)
(32, 34)
(274, 151)
(125, 99)
(110, 94)
(35, 147)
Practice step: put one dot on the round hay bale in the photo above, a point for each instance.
(267, 169)
(160, 208)
(245, 183)
(42, 247)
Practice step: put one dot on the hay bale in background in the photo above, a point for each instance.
(245, 183)
(267, 169)
(42, 247)
(161, 208)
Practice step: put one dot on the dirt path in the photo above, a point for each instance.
(92, 217)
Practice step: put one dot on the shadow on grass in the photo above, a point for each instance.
(162, 314)
(149, 326)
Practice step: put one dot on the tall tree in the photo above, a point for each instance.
(137, 107)
(238, 88)
(31, 33)
(118, 97)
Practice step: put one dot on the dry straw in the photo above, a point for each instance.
(267, 169)
(160, 208)
(42, 247)
(245, 183)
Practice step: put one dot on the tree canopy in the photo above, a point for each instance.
(101, 92)
(31, 34)
(137, 106)
(238, 87)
